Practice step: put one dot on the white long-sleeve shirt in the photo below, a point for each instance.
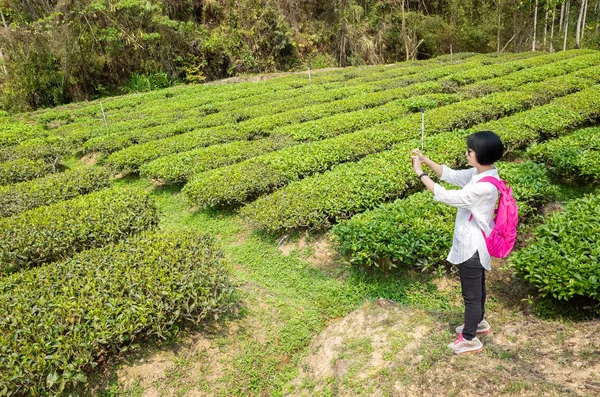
(477, 199)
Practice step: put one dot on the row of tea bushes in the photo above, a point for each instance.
(179, 167)
(182, 166)
(350, 188)
(24, 169)
(57, 231)
(51, 189)
(51, 149)
(127, 133)
(241, 182)
(574, 157)
(13, 132)
(417, 231)
(340, 101)
(352, 121)
(562, 260)
(133, 157)
(59, 320)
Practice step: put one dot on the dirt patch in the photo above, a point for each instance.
(91, 158)
(386, 349)
(323, 255)
(354, 352)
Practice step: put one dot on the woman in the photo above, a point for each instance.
(476, 203)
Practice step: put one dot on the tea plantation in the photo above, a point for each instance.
(95, 262)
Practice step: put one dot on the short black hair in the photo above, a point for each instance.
(487, 146)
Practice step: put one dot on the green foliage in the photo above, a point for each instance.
(57, 231)
(61, 319)
(13, 132)
(349, 188)
(417, 231)
(232, 185)
(51, 189)
(563, 259)
(413, 232)
(52, 149)
(24, 169)
(147, 82)
(575, 157)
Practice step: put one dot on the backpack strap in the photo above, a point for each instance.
(494, 181)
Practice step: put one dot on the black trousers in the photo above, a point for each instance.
(472, 281)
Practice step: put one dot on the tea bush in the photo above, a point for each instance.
(575, 157)
(51, 189)
(57, 231)
(562, 260)
(319, 200)
(24, 169)
(235, 185)
(59, 320)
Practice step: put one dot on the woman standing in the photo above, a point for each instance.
(476, 203)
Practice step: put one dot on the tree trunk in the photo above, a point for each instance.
(499, 27)
(545, 28)
(535, 25)
(552, 30)
(562, 14)
(579, 21)
(584, 19)
(567, 7)
(404, 34)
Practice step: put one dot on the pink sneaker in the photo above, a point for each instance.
(462, 346)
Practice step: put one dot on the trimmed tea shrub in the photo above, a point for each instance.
(51, 189)
(418, 232)
(24, 170)
(563, 259)
(57, 231)
(59, 320)
(571, 158)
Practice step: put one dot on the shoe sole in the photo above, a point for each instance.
(470, 351)
(478, 333)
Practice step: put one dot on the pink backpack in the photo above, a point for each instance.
(502, 238)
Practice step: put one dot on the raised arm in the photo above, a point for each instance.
(433, 166)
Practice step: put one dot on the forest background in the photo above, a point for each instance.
(59, 51)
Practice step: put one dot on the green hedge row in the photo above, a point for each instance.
(166, 106)
(60, 320)
(575, 157)
(180, 167)
(13, 132)
(51, 189)
(194, 113)
(132, 158)
(52, 149)
(469, 77)
(562, 261)
(540, 73)
(350, 188)
(57, 231)
(24, 170)
(258, 120)
(235, 185)
(352, 121)
(417, 231)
